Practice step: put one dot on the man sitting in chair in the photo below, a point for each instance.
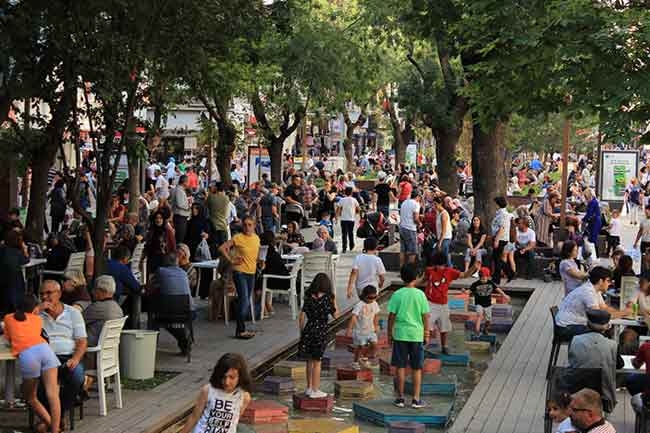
(104, 308)
(171, 280)
(66, 330)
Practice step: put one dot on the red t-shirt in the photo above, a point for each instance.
(438, 280)
(405, 191)
(643, 356)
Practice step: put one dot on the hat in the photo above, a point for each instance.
(598, 320)
(484, 272)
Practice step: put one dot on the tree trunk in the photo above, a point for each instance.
(38, 197)
(224, 149)
(348, 149)
(446, 140)
(275, 152)
(488, 163)
(134, 182)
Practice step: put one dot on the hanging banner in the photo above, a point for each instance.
(411, 154)
(617, 168)
(259, 162)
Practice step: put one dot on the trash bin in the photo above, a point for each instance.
(138, 353)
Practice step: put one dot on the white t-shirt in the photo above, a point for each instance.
(151, 170)
(574, 306)
(644, 226)
(408, 209)
(369, 267)
(162, 187)
(365, 313)
(566, 426)
(348, 207)
(615, 227)
(221, 413)
(524, 238)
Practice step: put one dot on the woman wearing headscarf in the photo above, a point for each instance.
(159, 241)
(199, 227)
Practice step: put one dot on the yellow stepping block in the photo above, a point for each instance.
(478, 346)
(294, 369)
(321, 425)
(353, 389)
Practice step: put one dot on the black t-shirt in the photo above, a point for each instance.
(476, 237)
(267, 202)
(383, 194)
(326, 203)
(295, 192)
(483, 292)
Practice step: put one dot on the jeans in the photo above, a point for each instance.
(245, 284)
(445, 250)
(71, 382)
(268, 224)
(347, 231)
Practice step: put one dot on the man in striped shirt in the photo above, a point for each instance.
(586, 410)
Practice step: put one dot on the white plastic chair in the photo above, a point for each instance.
(108, 362)
(136, 258)
(315, 262)
(291, 292)
(75, 263)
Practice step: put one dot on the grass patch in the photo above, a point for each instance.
(159, 377)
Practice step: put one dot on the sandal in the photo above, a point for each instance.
(245, 335)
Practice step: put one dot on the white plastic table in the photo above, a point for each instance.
(10, 373)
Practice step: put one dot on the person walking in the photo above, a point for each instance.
(346, 211)
(409, 221)
(219, 205)
(180, 208)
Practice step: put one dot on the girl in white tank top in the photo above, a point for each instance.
(224, 399)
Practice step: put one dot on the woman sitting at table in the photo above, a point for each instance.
(294, 237)
(74, 291)
(624, 269)
(184, 263)
(273, 265)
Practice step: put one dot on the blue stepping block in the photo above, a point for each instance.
(433, 385)
(458, 359)
(456, 304)
(382, 412)
(492, 339)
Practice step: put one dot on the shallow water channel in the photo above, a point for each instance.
(467, 378)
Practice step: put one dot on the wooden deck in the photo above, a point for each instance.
(510, 395)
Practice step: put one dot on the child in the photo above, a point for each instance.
(437, 278)
(408, 320)
(364, 324)
(558, 410)
(36, 359)
(224, 399)
(320, 303)
(482, 290)
(325, 220)
(614, 232)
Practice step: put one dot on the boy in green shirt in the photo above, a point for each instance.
(407, 328)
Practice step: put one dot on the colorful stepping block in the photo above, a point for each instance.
(383, 412)
(431, 366)
(499, 299)
(432, 385)
(294, 369)
(320, 425)
(406, 427)
(462, 316)
(501, 310)
(342, 339)
(336, 358)
(278, 385)
(458, 359)
(302, 402)
(352, 374)
(478, 346)
(500, 327)
(492, 339)
(457, 305)
(356, 389)
(265, 412)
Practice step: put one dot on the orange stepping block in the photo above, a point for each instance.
(342, 340)
(265, 412)
(431, 366)
(321, 425)
(302, 402)
(462, 316)
(352, 374)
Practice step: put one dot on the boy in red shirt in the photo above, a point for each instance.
(437, 278)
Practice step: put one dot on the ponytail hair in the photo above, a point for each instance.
(27, 305)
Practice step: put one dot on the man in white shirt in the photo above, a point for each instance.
(525, 247)
(346, 210)
(409, 221)
(367, 269)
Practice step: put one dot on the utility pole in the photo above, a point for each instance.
(565, 176)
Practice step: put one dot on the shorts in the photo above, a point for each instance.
(408, 354)
(408, 241)
(439, 316)
(486, 312)
(510, 247)
(36, 360)
(360, 340)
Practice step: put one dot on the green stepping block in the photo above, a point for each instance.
(457, 359)
(433, 385)
(492, 339)
(382, 412)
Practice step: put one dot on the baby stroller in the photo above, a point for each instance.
(373, 225)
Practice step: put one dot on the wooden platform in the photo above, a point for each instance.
(510, 395)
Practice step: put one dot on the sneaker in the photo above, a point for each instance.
(356, 366)
(475, 275)
(399, 402)
(317, 393)
(445, 350)
(417, 404)
(474, 337)
(308, 392)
